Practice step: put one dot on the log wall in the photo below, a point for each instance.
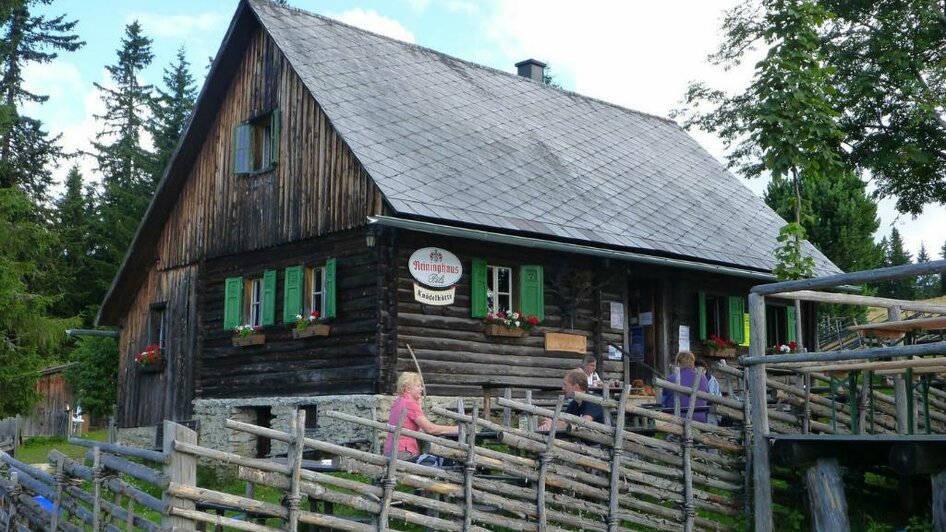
(455, 355)
(346, 361)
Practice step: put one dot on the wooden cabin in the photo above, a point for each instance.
(321, 157)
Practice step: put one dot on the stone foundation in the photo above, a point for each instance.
(211, 414)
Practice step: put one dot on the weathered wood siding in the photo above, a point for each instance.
(317, 188)
(456, 356)
(148, 398)
(344, 362)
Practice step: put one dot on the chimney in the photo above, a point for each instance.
(532, 69)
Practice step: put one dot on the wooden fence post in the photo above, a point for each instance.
(530, 419)
(614, 494)
(390, 477)
(689, 509)
(294, 455)
(939, 500)
(757, 399)
(181, 469)
(57, 501)
(507, 412)
(826, 496)
(97, 488)
(469, 471)
(544, 458)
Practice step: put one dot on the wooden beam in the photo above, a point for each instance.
(902, 326)
(866, 276)
(865, 301)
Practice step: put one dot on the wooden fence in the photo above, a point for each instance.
(674, 474)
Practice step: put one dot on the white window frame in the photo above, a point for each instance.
(315, 290)
(492, 280)
(254, 300)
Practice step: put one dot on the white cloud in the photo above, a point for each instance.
(371, 20)
(419, 6)
(180, 26)
(461, 6)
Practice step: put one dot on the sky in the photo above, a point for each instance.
(639, 54)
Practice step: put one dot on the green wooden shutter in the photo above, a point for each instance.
(790, 324)
(274, 137)
(745, 330)
(701, 302)
(736, 310)
(531, 291)
(292, 293)
(241, 148)
(269, 297)
(232, 302)
(478, 307)
(330, 288)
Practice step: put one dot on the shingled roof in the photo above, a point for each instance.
(461, 143)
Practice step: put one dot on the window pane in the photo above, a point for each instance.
(256, 302)
(317, 295)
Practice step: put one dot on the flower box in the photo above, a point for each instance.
(157, 367)
(495, 329)
(724, 352)
(318, 329)
(253, 339)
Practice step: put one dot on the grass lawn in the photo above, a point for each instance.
(36, 450)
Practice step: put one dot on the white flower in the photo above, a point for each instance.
(298, 316)
(517, 323)
(312, 318)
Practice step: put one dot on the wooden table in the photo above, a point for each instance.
(897, 329)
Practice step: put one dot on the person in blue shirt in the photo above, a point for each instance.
(576, 381)
(686, 361)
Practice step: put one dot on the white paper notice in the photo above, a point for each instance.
(647, 318)
(617, 315)
(684, 338)
(613, 353)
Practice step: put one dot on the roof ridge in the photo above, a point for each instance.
(269, 3)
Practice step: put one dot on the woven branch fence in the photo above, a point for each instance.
(678, 474)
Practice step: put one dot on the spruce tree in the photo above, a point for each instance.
(77, 265)
(124, 162)
(896, 255)
(924, 285)
(171, 110)
(26, 149)
(31, 339)
(839, 215)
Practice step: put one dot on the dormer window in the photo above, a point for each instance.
(256, 144)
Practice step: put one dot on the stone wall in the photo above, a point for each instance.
(212, 413)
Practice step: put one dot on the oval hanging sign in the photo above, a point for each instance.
(435, 267)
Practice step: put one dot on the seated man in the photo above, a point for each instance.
(576, 381)
(589, 364)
